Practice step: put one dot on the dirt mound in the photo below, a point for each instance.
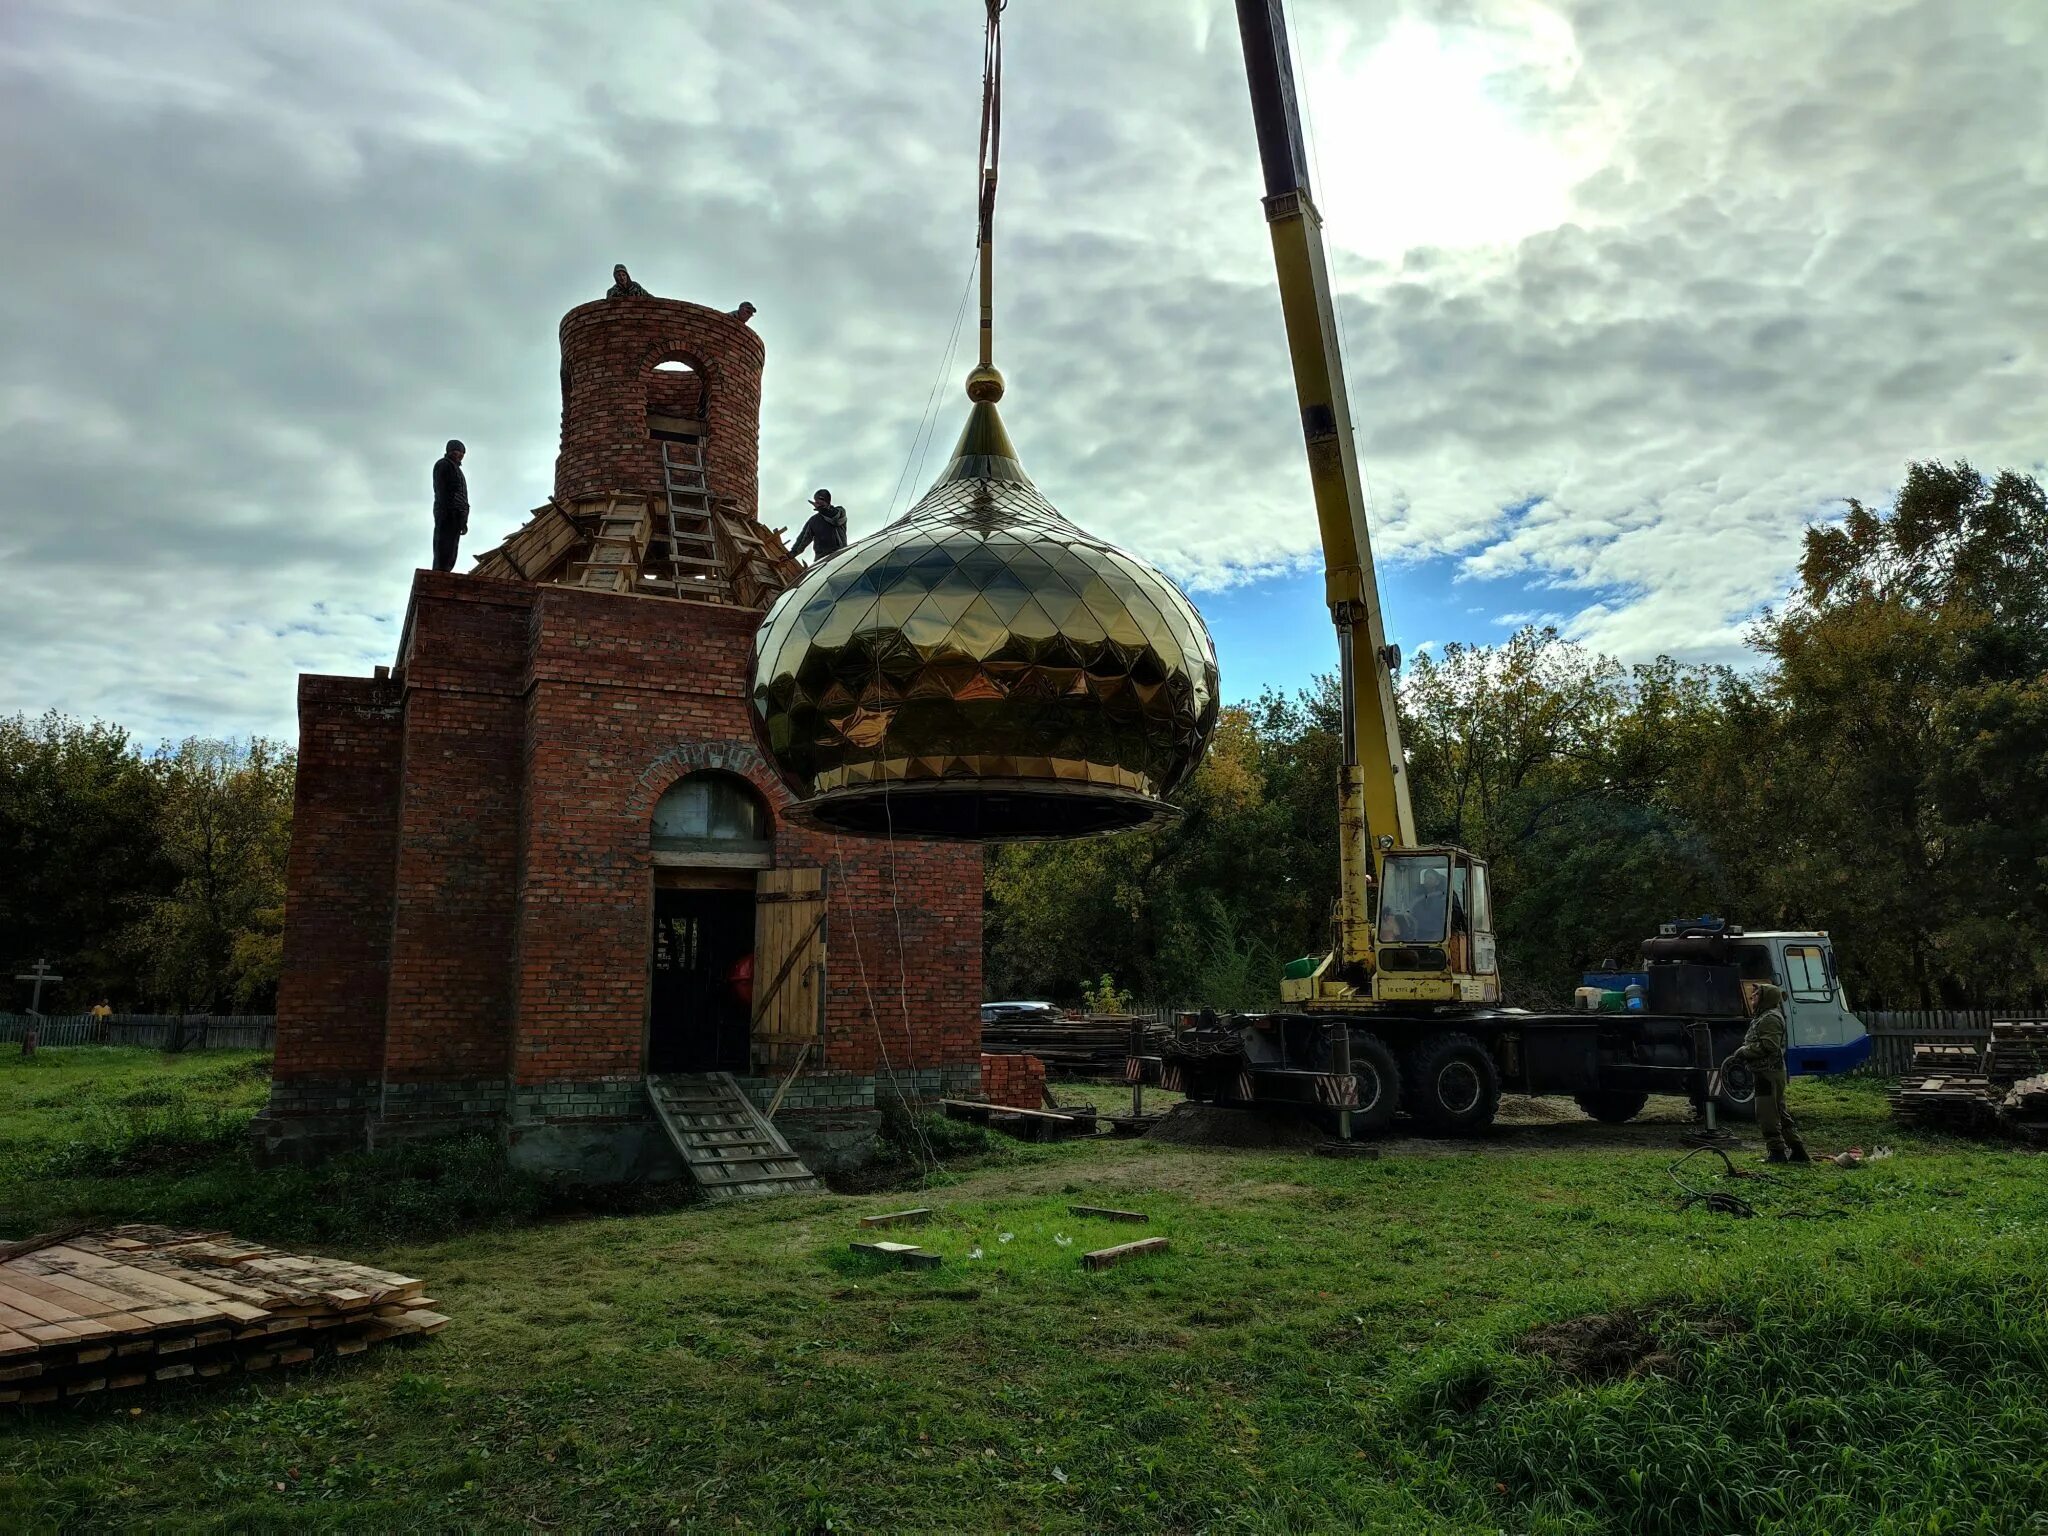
(1612, 1346)
(1211, 1125)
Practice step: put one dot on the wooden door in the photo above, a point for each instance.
(789, 966)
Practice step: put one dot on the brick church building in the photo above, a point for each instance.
(538, 864)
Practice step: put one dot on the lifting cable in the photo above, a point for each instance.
(988, 152)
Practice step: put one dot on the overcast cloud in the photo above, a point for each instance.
(1632, 292)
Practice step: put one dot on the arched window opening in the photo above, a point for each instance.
(678, 398)
(712, 818)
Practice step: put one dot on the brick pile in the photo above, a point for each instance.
(1017, 1082)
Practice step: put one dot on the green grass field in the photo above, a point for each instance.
(1330, 1345)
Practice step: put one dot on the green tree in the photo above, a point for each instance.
(78, 842)
(213, 940)
(1909, 671)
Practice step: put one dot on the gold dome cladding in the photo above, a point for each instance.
(984, 669)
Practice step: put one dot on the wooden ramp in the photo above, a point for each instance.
(731, 1150)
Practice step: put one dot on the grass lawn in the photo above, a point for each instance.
(1330, 1344)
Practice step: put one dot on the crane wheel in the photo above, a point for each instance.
(1453, 1084)
(1379, 1083)
(1612, 1106)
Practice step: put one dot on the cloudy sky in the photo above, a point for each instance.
(1631, 293)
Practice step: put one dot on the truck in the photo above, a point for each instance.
(1405, 1011)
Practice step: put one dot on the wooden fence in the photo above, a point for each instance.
(157, 1031)
(1893, 1034)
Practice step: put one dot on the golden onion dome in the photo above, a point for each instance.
(983, 669)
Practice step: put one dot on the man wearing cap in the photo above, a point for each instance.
(451, 505)
(1763, 1052)
(826, 529)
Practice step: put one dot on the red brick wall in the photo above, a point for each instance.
(610, 348)
(458, 822)
(338, 879)
(919, 1005)
(628, 695)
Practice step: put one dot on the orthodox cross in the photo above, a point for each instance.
(38, 976)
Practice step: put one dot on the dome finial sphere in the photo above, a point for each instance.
(985, 386)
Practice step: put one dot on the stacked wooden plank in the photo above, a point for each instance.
(2025, 1110)
(1945, 1101)
(1930, 1058)
(1091, 1045)
(2019, 1048)
(92, 1311)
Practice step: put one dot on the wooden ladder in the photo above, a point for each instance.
(732, 1151)
(617, 545)
(695, 568)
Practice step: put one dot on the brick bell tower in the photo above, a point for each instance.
(539, 867)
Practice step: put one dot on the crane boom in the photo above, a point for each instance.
(1375, 808)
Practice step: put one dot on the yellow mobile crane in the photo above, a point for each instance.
(1429, 938)
(1405, 1010)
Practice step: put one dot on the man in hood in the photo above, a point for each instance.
(825, 529)
(1763, 1052)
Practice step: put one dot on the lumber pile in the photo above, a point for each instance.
(2025, 1110)
(1091, 1045)
(1944, 1101)
(93, 1311)
(2018, 1049)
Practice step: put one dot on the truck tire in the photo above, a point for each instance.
(1612, 1106)
(1452, 1083)
(1379, 1083)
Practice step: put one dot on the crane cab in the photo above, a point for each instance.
(1433, 930)
(1430, 939)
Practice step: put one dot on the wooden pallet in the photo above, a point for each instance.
(2018, 1049)
(96, 1311)
(730, 1149)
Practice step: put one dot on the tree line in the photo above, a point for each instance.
(151, 880)
(1880, 771)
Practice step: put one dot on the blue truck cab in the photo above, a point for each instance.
(1695, 966)
(1822, 1035)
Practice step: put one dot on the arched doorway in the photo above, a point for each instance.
(711, 841)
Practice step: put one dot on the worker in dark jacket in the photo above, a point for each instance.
(451, 505)
(826, 529)
(1763, 1052)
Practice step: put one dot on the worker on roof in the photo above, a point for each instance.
(623, 286)
(1763, 1052)
(826, 529)
(451, 505)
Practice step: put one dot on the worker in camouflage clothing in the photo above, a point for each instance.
(1763, 1052)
